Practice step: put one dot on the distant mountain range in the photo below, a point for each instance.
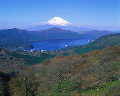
(97, 33)
(18, 35)
(52, 33)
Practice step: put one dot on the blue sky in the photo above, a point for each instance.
(21, 13)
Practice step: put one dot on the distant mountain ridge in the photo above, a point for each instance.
(17, 35)
(97, 33)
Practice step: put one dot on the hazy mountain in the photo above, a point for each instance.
(16, 35)
(58, 33)
(97, 33)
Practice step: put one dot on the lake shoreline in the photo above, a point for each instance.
(51, 45)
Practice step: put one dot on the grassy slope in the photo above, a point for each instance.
(95, 92)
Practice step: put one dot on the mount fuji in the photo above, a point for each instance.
(56, 22)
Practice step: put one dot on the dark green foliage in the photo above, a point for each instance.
(23, 85)
(31, 60)
(65, 54)
(16, 45)
(4, 78)
(9, 63)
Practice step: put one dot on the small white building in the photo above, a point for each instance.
(66, 45)
(43, 51)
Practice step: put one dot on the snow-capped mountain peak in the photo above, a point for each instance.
(54, 21)
(58, 21)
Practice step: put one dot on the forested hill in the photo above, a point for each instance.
(92, 74)
(100, 43)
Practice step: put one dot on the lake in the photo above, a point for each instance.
(57, 44)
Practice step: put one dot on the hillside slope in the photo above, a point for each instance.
(100, 43)
(8, 63)
(91, 74)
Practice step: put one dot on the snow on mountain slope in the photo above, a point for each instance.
(58, 21)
